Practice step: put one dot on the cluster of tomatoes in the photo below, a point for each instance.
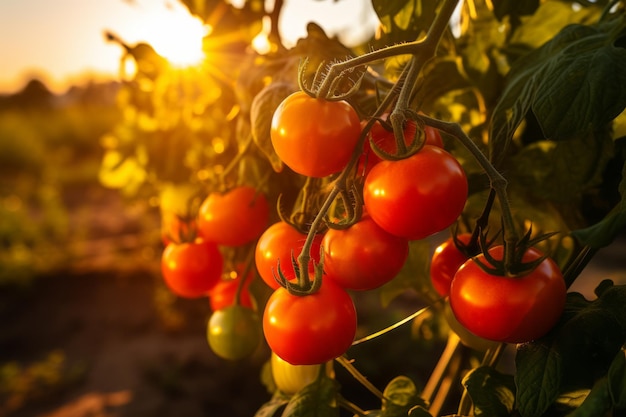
(406, 199)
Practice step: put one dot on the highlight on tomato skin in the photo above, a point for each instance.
(312, 136)
(234, 218)
(277, 244)
(364, 256)
(310, 329)
(508, 309)
(191, 269)
(446, 260)
(418, 196)
(234, 332)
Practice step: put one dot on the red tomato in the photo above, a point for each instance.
(446, 260)
(364, 256)
(223, 294)
(310, 329)
(191, 269)
(417, 196)
(279, 242)
(386, 141)
(505, 309)
(314, 137)
(233, 218)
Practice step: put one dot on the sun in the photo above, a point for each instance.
(176, 35)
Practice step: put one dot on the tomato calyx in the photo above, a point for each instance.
(402, 122)
(303, 285)
(512, 264)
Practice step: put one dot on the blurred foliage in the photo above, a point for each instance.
(48, 145)
(36, 381)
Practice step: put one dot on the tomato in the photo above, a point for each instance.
(191, 269)
(466, 337)
(505, 309)
(312, 136)
(446, 260)
(223, 294)
(363, 256)
(234, 218)
(385, 140)
(279, 242)
(234, 332)
(417, 196)
(290, 379)
(310, 329)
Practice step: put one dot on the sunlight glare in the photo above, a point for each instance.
(178, 37)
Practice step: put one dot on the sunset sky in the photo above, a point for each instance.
(62, 41)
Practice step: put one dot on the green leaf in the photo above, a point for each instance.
(273, 407)
(404, 20)
(538, 377)
(261, 112)
(514, 8)
(492, 392)
(604, 232)
(561, 171)
(575, 84)
(548, 20)
(597, 403)
(413, 275)
(400, 395)
(617, 380)
(575, 354)
(317, 399)
(583, 87)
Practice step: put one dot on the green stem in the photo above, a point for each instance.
(424, 48)
(497, 181)
(347, 364)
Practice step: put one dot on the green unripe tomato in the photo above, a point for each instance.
(290, 379)
(234, 332)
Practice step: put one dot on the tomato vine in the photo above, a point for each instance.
(528, 99)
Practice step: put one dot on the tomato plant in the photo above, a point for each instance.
(418, 196)
(277, 245)
(233, 218)
(363, 256)
(234, 332)
(314, 137)
(530, 100)
(311, 329)
(191, 269)
(508, 309)
(446, 260)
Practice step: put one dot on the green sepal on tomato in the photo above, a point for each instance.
(277, 245)
(418, 196)
(313, 136)
(364, 256)
(191, 269)
(234, 218)
(310, 329)
(508, 309)
(385, 140)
